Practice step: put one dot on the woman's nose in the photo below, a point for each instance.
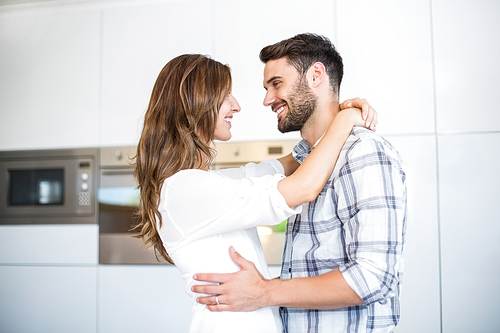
(236, 106)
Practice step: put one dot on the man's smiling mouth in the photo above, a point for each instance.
(280, 109)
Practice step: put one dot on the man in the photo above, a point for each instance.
(342, 263)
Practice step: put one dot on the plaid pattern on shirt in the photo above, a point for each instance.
(357, 225)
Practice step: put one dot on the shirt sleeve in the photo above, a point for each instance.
(372, 206)
(268, 167)
(199, 203)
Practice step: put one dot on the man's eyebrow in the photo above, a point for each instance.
(273, 78)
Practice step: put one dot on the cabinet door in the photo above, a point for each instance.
(75, 244)
(49, 79)
(138, 40)
(48, 299)
(242, 29)
(469, 207)
(387, 51)
(420, 292)
(466, 52)
(142, 298)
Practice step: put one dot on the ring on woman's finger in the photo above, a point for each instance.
(217, 300)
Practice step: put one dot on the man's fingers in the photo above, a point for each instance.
(209, 289)
(209, 300)
(214, 303)
(219, 308)
(209, 277)
(238, 259)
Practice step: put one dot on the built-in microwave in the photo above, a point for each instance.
(48, 186)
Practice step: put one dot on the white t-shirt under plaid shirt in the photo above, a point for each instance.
(357, 225)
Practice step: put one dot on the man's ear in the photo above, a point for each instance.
(317, 74)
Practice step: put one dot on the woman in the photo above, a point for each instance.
(191, 216)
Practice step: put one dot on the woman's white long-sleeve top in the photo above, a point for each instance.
(203, 214)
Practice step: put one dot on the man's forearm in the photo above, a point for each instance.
(326, 291)
(248, 290)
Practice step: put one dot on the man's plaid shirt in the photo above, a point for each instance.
(357, 225)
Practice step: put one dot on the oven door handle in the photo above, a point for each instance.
(117, 172)
(117, 178)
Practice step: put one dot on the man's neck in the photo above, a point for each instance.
(319, 122)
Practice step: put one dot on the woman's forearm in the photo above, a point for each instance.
(308, 180)
(289, 164)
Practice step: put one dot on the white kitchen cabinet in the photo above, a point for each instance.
(48, 278)
(48, 299)
(69, 244)
(420, 293)
(242, 29)
(387, 51)
(49, 77)
(142, 298)
(466, 53)
(138, 39)
(470, 253)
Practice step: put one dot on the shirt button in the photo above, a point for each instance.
(289, 269)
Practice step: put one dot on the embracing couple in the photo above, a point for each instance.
(342, 189)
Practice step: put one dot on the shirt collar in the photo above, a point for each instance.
(302, 149)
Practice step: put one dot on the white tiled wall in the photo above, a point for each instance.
(134, 53)
(387, 51)
(421, 288)
(429, 67)
(49, 77)
(48, 298)
(142, 299)
(466, 53)
(470, 231)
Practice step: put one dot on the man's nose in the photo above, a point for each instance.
(269, 99)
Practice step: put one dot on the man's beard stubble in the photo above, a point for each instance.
(301, 105)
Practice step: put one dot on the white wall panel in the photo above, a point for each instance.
(466, 51)
(386, 47)
(142, 298)
(137, 41)
(420, 297)
(49, 244)
(470, 232)
(48, 299)
(242, 29)
(49, 81)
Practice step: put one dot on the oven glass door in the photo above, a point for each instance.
(118, 199)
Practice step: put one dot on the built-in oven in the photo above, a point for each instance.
(48, 186)
(118, 199)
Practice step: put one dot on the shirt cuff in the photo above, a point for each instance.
(365, 284)
(279, 201)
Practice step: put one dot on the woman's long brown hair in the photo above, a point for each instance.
(179, 126)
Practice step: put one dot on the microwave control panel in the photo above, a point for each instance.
(85, 183)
